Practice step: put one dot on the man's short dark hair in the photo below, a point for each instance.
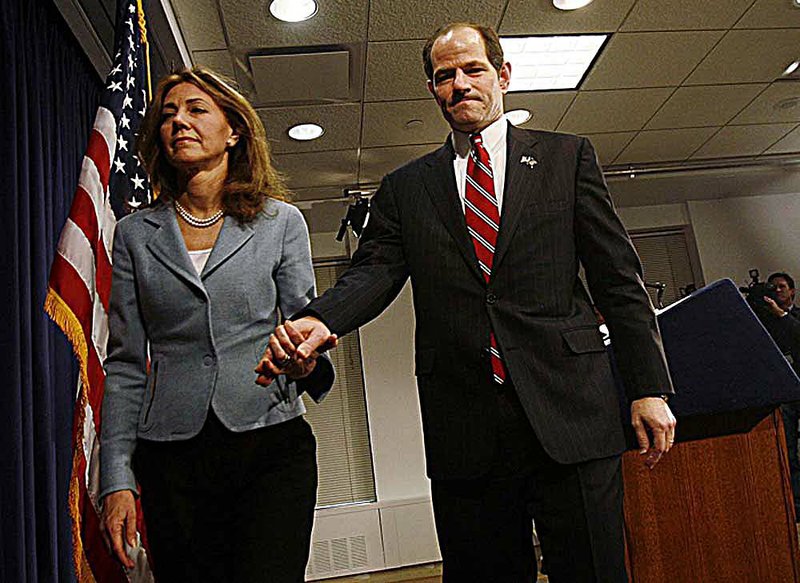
(782, 275)
(491, 42)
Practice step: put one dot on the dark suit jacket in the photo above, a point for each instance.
(556, 214)
(785, 331)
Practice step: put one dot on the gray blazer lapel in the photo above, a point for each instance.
(168, 246)
(521, 179)
(231, 237)
(440, 182)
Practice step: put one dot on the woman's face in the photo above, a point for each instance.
(194, 131)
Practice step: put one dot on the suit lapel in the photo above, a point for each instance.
(440, 182)
(231, 237)
(168, 246)
(521, 179)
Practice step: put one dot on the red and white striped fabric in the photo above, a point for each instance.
(80, 279)
(483, 223)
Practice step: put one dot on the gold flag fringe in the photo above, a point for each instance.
(65, 318)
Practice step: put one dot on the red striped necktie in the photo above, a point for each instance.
(483, 222)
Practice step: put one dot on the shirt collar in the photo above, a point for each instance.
(493, 136)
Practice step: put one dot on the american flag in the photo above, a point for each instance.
(111, 184)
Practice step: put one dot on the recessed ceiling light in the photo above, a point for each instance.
(305, 131)
(796, 3)
(791, 69)
(546, 63)
(293, 10)
(570, 4)
(518, 117)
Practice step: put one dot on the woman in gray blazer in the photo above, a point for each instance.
(224, 459)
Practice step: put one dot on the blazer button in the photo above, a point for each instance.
(491, 299)
(208, 360)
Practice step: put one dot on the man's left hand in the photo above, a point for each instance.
(654, 425)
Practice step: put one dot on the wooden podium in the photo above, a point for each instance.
(718, 508)
(715, 510)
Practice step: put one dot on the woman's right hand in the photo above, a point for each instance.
(118, 521)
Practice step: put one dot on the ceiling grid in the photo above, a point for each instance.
(678, 82)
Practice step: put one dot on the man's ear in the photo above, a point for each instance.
(432, 89)
(505, 76)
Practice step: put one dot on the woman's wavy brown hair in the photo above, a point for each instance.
(252, 178)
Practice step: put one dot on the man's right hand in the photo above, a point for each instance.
(294, 344)
(118, 521)
(774, 308)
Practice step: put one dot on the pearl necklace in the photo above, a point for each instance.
(195, 221)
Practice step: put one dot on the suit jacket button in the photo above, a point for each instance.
(208, 360)
(491, 298)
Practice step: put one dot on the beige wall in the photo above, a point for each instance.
(735, 235)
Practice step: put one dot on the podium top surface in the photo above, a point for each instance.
(721, 357)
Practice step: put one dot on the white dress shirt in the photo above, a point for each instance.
(494, 140)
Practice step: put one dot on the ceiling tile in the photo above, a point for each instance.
(779, 103)
(395, 71)
(788, 144)
(771, 14)
(608, 146)
(684, 15)
(199, 22)
(377, 162)
(397, 123)
(547, 108)
(747, 56)
(253, 70)
(341, 122)
(742, 140)
(649, 59)
(314, 169)
(704, 105)
(609, 111)
(218, 61)
(418, 19)
(541, 17)
(250, 25)
(323, 76)
(664, 145)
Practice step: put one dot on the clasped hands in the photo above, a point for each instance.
(293, 350)
(294, 347)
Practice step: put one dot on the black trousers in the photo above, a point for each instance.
(484, 524)
(227, 506)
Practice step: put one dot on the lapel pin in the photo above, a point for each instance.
(529, 160)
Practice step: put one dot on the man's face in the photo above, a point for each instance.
(784, 292)
(467, 88)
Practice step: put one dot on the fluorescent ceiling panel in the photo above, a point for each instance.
(546, 63)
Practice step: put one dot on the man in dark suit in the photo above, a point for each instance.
(781, 318)
(519, 407)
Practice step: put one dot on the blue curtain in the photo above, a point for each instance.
(49, 97)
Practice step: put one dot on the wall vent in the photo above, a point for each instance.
(338, 555)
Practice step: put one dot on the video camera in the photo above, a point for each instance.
(756, 291)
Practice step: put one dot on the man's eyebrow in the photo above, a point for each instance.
(462, 66)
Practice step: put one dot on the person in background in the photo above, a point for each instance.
(519, 408)
(226, 464)
(782, 321)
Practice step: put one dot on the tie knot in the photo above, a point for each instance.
(476, 140)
